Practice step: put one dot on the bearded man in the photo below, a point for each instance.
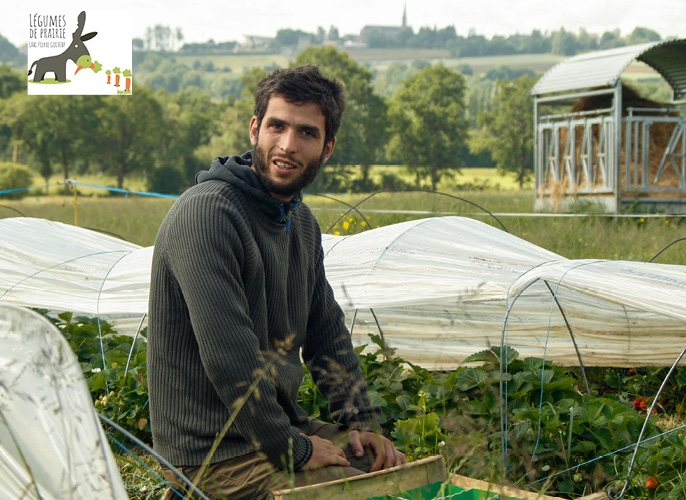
(239, 299)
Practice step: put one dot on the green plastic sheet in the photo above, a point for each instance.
(442, 491)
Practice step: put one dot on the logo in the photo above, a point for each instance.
(79, 53)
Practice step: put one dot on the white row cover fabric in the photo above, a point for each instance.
(437, 289)
(52, 446)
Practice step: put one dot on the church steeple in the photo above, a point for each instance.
(404, 25)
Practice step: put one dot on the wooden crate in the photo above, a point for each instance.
(384, 482)
(403, 478)
(505, 491)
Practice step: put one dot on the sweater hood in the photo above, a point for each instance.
(236, 170)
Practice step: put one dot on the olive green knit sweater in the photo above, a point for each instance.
(236, 299)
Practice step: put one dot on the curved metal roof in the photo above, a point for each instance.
(603, 68)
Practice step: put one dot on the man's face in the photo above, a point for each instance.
(289, 146)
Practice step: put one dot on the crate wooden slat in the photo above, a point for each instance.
(374, 484)
(468, 482)
(403, 478)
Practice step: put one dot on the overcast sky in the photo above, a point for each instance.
(232, 19)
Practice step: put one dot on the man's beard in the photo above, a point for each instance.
(307, 174)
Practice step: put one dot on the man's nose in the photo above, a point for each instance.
(288, 141)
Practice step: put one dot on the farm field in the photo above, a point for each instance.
(378, 59)
(454, 414)
(575, 236)
(238, 63)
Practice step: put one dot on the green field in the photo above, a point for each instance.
(137, 218)
(401, 54)
(238, 63)
(379, 59)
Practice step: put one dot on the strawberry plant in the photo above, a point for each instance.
(552, 430)
(119, 394)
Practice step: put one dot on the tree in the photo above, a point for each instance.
(333, 34)
(586, 42)
(642, 35)
(231, 127)
(611, 39)
(178, 32)
(190, 122)
(10, 54)
(362, 135)
(289, 38)
(72, 121)
(427, 122)
(10, 81)
(536, 43)
(20, 120)
(130, 134)
(507, 130)
(55, 128)
(320, 36)
(564, 43)
(163, 37)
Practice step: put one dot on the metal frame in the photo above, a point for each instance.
(580, 166)
(637, 150)
(592, 166)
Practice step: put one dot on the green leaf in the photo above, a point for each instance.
(486, 355)
(471, 378)
(584, 447)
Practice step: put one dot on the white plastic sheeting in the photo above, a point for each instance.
(51, 444)
(56, 266)
(438, 290)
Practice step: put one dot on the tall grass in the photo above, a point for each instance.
(596, 236)
(574, 236)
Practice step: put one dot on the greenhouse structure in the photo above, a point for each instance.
(595, 139)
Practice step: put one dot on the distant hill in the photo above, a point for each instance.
(9, 54)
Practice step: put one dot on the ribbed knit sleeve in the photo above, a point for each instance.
(329, 355)
(204, 253)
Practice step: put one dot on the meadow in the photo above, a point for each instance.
(236, 63)
(579, 235)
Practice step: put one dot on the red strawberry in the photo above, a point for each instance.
(629, 373)
(651, 483)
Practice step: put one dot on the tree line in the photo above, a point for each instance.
(428, 117)
(168, 137)
(561, 42)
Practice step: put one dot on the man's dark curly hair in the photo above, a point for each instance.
(303, 85)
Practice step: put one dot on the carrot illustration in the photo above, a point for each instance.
(109, 76)
(117, 75)
(127, 74)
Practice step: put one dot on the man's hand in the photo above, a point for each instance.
(385, 453)
(324, 453)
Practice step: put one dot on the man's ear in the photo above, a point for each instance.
(254, 131)
(328, 149)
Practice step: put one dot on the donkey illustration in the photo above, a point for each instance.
(58, 64)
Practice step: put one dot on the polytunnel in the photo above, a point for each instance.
(52, 446)
(436, 290)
